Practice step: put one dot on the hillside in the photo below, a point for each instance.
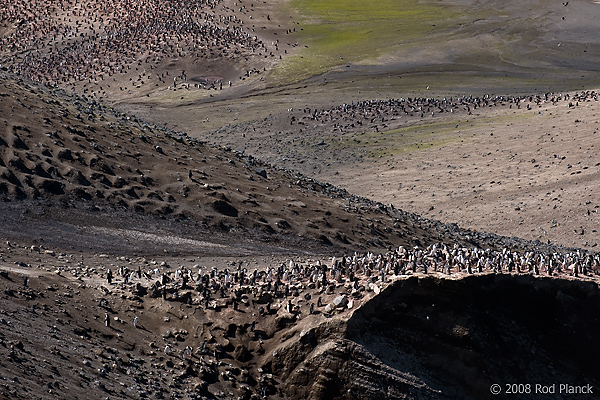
(70, 163)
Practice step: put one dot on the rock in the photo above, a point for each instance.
(374, 288)
(225, 345)
(284, 319)
(283, 224)
(262, 172)
(139, 290)
(154, 292)
(263, 298)
(202, 388)
(225, 208)
(208, 375)
(242, 354)
(17, 344)
(340, 301)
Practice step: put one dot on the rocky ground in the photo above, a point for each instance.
(90, 325)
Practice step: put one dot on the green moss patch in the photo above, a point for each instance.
(349, 31)
(421, 137)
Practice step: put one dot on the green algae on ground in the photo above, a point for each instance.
(342, 31)
(419, 137)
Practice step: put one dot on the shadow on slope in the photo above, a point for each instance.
(436, 338)
(462, 336)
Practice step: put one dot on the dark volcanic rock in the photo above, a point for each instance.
(225, 208)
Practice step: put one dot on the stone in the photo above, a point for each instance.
(340, 301)
(262, 172)
(374, 288)
(242, 354)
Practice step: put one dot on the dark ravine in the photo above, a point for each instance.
(430, 337)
